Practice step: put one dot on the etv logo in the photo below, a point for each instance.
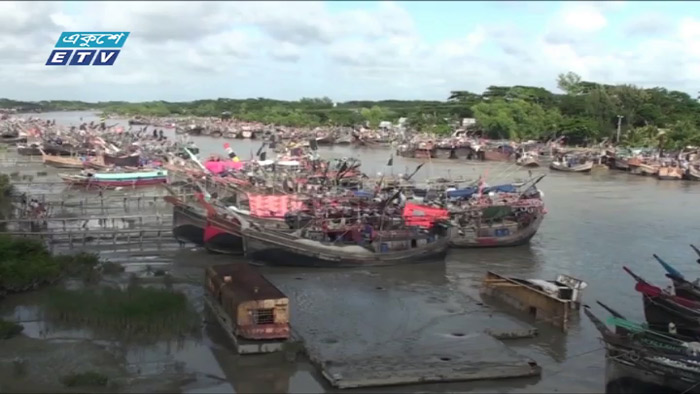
(82, 56)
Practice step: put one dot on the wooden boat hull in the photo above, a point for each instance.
(445, 153)
(600, 169)
(462, 152)
(223, 236)
(528, 162)
(279, 249)
(490, 155)
(77, 164)
(188, 225)
(121, 161)
(659, 312)
(621, 164)
(585, 167)
(14, 140)
(518, 238)
(693, 174)
(113, 183)
(686, 290)
(28, 151)
(628, 373)
(670, 174)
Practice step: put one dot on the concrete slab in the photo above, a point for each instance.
(393, 325)
(475, 358)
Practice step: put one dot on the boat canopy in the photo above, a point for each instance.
(422, 215)
(363, 194)
(267, 206)
(462, 193)
(469, 191)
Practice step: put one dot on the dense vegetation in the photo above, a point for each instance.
(26, 264)
(587, 112)
(135, 312)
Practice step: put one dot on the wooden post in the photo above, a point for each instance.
(70, 240)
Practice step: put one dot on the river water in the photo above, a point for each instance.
(594, 226)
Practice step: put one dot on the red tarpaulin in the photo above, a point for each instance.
(272, 206)
(422, 215)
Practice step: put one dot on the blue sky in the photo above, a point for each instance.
(351, 49)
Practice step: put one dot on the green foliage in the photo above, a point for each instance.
(85, 379)
(134, 311)
(9, 329)
(516, 119)
(26, 264)
(587, 112)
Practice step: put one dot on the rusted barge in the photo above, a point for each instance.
(545, 300)
(252, 311)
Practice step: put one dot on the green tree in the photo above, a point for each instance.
(570, 83)
(375, 115)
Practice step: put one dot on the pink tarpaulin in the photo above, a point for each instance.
(272, 206)
(215, 167)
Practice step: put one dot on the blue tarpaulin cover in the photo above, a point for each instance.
(469, 191)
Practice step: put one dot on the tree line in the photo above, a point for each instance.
(588, 112)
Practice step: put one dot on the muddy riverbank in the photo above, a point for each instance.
(595, 224)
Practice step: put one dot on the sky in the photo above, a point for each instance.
(347, 50)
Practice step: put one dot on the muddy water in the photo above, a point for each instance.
(595, 225)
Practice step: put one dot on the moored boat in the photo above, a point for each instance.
(570, 167)
(527, 160)
(378, 241)
(510, 218)
(61, 162)
(117, 179)
(670, 173)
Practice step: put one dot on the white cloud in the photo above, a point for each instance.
(187, 50)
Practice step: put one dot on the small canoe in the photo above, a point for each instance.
(559, 166)
(527, 161)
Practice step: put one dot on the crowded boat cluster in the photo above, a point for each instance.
(665, 350)
(323, 212)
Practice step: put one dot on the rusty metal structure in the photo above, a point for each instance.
(253, 308)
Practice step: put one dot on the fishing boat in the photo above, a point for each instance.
(61, 162)
(694, 172)
(117, 179)
(189, 222)
(599, 167)
(379, 241)
(528, 160)
(496, 216)
(670, 173)
(649, 358)
(681, 286)
(571, 167)
(497, 152)
(33, 149)
(128, 160)
(662, 308)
